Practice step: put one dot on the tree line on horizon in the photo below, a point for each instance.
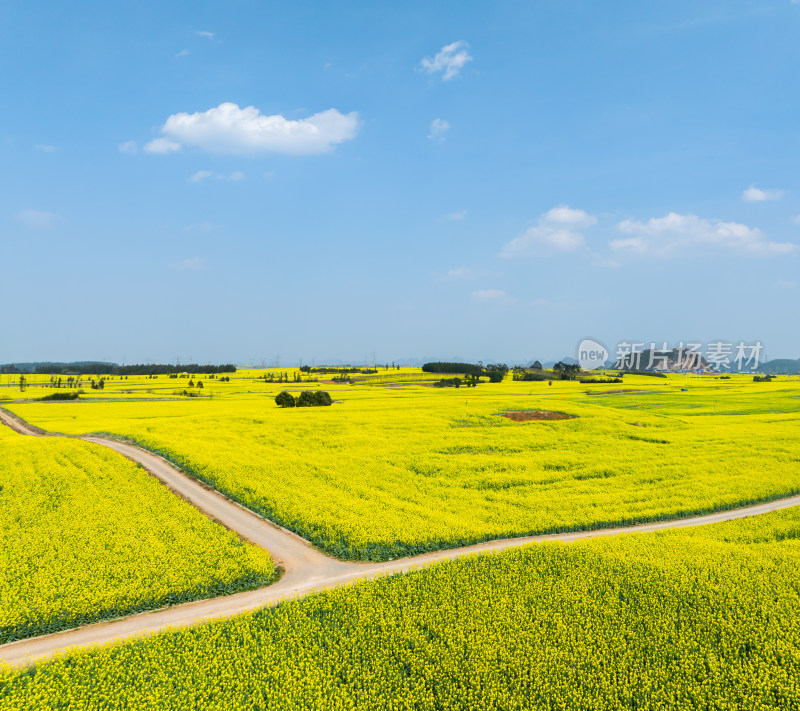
(101, 368)
(473, 372)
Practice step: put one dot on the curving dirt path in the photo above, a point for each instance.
(306, 569)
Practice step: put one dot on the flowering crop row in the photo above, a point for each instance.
(85, 534)
(701, 618)
(388, 472)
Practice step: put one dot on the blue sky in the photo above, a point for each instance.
(244, 181)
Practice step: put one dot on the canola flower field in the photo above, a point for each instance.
(86, 534)
(398, 470)
(701, 618)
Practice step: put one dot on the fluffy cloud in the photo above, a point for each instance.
(38, 219)
(203, 33)
(464, 274)
(754, 194)
(565, 215)
(200, 175)
(162, 146)
(232, 130)
(450, 60)
(439, 128)
(128, 147)
(663, 236)
(556, 230)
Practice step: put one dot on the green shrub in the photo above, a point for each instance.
(452, 368)
(522, 375)
(61, 396)
(448, 383)
(284, 399)
(314, 398)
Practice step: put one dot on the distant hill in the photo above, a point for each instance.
(780, 366)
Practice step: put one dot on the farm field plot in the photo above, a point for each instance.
(738, 396)
(388, 472)
(698, 618)
(86, 534)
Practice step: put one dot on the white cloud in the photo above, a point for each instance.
(754, 194)
(200, 175)
(128, 147)
(464, 274)
(229, 129)
(786, 284)
(560, 239)
(183, 53)
(663, 236)
(556, 230)
(493, 296)
(162, 146)
(455, 216)
(207, 35)
(190, 264)
(450, 60)
(796, 218)
(565, 215)
(45, 148)
(439, 128)
(632, 244)
(38, 219)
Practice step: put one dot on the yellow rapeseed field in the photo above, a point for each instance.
(86, 534)
(393, 470)
(702, 618)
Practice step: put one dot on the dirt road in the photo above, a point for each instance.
(306, 569)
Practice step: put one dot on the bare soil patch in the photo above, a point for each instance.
(535, 415)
